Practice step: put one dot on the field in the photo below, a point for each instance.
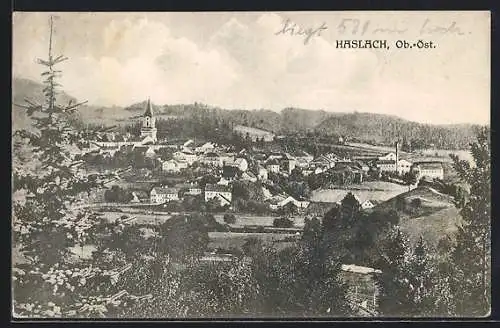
(227, 240)
(432, 227)
(376, 190)
(442, 155)
(160, 217)
(367, 147)
(265, 221)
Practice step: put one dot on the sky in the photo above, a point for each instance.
(238, 60)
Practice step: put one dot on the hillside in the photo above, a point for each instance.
(424, 212)
(378, 128)
(368, 127)
(433, 227)
(26, 89)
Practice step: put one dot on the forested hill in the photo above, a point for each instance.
(377, 128)
(365, 127)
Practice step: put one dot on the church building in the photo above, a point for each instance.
(148, 129)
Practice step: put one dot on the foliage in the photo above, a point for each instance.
(229, 218)
(410, 284)
(48, 185)
(185, 237)
(117, 195)
(282, 223)
(471, 257)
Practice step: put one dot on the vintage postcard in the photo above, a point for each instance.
(239, 165)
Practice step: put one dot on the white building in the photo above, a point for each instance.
(273, 166)
(433, 170)
(186, 155)
(262, 173)
(159, 195)
(190, 189)
(367, 204)
(212, 159)
(404, 166)
(240, 163)
(205, 148)
(173, 165)
(386, 165)
(219, 192)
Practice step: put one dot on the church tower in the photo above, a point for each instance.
(148, 128)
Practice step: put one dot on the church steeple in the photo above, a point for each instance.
(148, 123)
(149, 109)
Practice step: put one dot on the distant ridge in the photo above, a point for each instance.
(367, 127)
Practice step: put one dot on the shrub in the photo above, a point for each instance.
(282, 223)
(229, 218)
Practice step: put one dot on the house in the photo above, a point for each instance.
(146, 151)
(307, 172)
(187, 143)
(386, 165)
(239, 163)
(347, 173)
(262, 173)
(274, 155)
(367, 204)
(273, 166)
(432, 170)
(160, 195)
(219, 192)
(173, 165)
(212, 158)
(288, 164)
(404, 166)
(363, 166)
(135, 198)
(189, 189)
(302, 156)
(297, 203)
(186, 155)
(223, 182)
(205, 148)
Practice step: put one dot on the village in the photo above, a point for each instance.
(187, 162)
(170, 209)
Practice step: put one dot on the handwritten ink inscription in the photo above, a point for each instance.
(357, 27)
(307, 33)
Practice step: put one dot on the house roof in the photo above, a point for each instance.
(211, 154)
(187, 186)
(429, 166)
(359, 269)
(250, 174)
(161, 190)
(273, 162)
(385, 161)
(218, 188)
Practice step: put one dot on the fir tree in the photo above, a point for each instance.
(471, 258)
(392, 282)
(49, 185)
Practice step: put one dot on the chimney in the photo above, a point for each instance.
(397, 156)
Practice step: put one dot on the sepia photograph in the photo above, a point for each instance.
(251, 165)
